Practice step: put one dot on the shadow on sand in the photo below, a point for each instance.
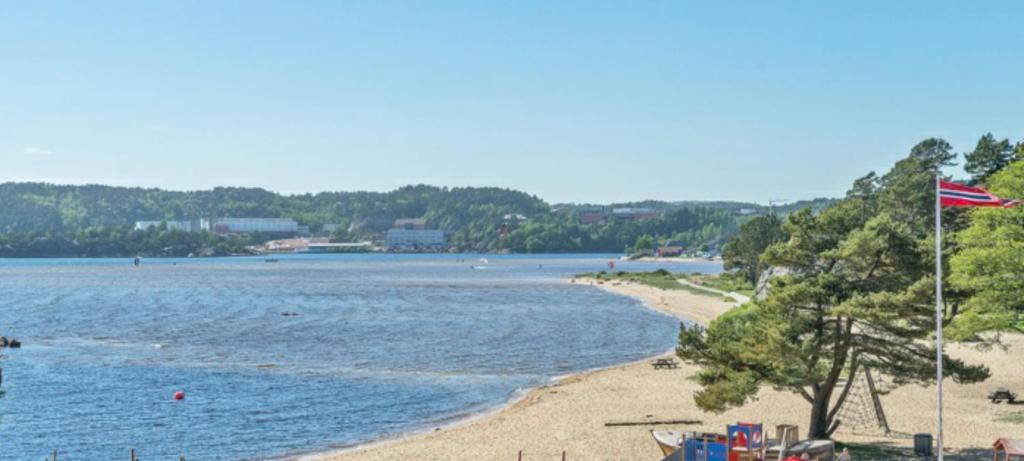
(889, 451)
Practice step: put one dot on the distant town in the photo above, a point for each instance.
(51, 220)
(406, 235)
(288, 236)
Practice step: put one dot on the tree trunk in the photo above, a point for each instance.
(818, 428)
(821, 417)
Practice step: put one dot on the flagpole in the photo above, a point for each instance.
(938, 312)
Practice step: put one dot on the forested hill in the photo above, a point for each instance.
(95, 220)
(32, 207)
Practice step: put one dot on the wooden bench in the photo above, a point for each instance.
(1002, 394)
(665, 363)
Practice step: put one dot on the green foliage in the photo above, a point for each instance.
(1014, 418)
(726, 281)
(47, 207)
(103, 242)
(472, 215)
(643, 242)
(988, 157)
(990, 261)
(660, 278)
(743, 252)
(908, 190)
(561, 233)
(859, 294)
(727, 340)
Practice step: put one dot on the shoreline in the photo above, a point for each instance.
(531, 395)
(469, 418)
(573, 413)
(457, 421)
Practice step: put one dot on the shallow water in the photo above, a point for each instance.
(381, 345)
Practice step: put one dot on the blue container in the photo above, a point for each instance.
(695, 451)
(923, 444)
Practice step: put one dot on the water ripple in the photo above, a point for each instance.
(370, 346)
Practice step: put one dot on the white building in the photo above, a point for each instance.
(184, 226)
(250, 225)
(415, 239)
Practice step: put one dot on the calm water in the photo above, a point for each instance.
(381, 345)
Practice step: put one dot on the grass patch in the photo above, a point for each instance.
(1015, 418)
(661, 279)
(725, 281)
(875, 451)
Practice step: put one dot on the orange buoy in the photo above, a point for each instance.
(179, 395)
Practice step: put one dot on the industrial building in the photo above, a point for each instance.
(415, 240)
(274, 226)
(279, 226)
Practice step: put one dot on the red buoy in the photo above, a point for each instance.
(179, 395)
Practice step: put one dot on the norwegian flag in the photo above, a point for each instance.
(952, 194)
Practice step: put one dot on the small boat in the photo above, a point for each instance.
(668, 441)
(270, 260)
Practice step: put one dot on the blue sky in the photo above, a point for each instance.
(572, 101)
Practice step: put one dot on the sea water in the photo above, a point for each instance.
(308, 353)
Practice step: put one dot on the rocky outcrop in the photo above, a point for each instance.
(12, 343)
(764, 281)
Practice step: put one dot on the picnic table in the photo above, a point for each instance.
(665, 363)
(1002, 394)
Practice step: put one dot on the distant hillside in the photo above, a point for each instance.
(35, 207)
(817, 204)
(61, 220)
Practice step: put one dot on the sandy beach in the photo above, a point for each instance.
(571, 415)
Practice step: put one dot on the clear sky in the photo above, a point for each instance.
(572, 101)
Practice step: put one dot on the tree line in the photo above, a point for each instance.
(61, 220)
(561, 232)
(123, 242)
